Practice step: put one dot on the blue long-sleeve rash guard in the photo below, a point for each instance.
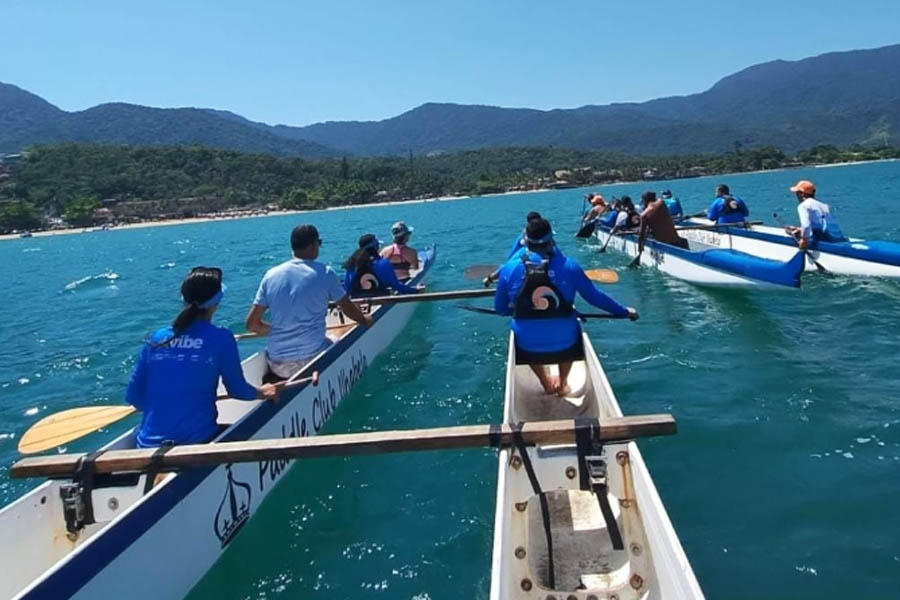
(174, 384)
(717, 213)
(550, 335)
(385, 274)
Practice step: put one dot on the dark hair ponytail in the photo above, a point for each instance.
(200, 286)
(362, 258)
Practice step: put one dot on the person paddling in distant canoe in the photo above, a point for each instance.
(816, 221)
(656, 221)
(673, 205)
(297, 293)
(402, 257)
(368, 274)
(599, 206)
(727, 208)
(537, 288)
(177, 371)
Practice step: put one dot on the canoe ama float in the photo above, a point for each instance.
(859, 257)
(651, 563)
(703, 265)
(172, 534)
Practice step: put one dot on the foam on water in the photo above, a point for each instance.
(110, 277)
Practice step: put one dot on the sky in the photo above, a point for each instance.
(305, 61)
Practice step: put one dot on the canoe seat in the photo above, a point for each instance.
(583, 556)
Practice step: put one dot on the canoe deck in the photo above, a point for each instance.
(583, 564)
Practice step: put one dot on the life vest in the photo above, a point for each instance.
(538, 296)
(727, 209)
(365, 282)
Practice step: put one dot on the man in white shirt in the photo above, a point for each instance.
(297, 293)
(816, 220)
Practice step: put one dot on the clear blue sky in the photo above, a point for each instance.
(306, 61)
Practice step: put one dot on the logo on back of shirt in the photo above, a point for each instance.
(186, 342)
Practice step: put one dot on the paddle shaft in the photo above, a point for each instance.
(444, 438)
(491, 311)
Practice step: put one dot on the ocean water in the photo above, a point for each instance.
(781, 483)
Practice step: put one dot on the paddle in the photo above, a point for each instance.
(491, 311)
(806, 252)
(68, 425)
(598, 275)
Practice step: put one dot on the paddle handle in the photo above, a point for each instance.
(286, 384)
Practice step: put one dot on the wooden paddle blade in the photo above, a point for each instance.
(479, 272)
(57, 429)
(602, 275)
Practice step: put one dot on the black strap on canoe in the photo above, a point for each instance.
(85, 471)
(536, 487)
(156, 463)
(494, 431)
(592, 473)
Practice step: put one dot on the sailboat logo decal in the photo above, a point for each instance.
(234, 509)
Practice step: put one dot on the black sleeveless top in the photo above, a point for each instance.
(538, 297)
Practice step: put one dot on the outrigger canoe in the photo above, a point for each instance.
(115, 536)
(869, 258)
(580, 521)
(710, 266)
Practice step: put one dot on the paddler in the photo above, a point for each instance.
(517, 248)
(656, 221)
(296, 293)
(368, 274)
(177, 372)
(402, 257)
(628, 217)
(598, 207)
(727, 208)
(816, 221)
(672, 204)
(537, 288)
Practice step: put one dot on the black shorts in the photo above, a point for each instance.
(526, 357)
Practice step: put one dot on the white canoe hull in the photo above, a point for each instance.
(653, 564)
(775, 244)
(680, 268)
(161, 544)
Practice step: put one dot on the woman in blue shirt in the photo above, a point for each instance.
(177, 372)
(367, 273)
(537, 288)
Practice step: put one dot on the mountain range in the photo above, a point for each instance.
(840, 98)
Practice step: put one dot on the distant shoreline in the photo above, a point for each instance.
(187, 221)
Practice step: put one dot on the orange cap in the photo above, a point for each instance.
(597, 199)
(807, 187)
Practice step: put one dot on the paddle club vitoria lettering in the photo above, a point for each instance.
(309, 418)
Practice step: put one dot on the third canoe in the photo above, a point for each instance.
(706, 265)
(870, 258)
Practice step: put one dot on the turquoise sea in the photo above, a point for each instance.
(783, 481)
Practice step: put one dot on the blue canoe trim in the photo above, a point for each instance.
(736, 263)
(78, 571)
(886, 253)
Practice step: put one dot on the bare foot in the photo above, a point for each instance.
(563, 390)
(550, 384)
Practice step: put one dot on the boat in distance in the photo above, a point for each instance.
(706, 265)
(858, 257)
(580, 521)
(100, 539)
